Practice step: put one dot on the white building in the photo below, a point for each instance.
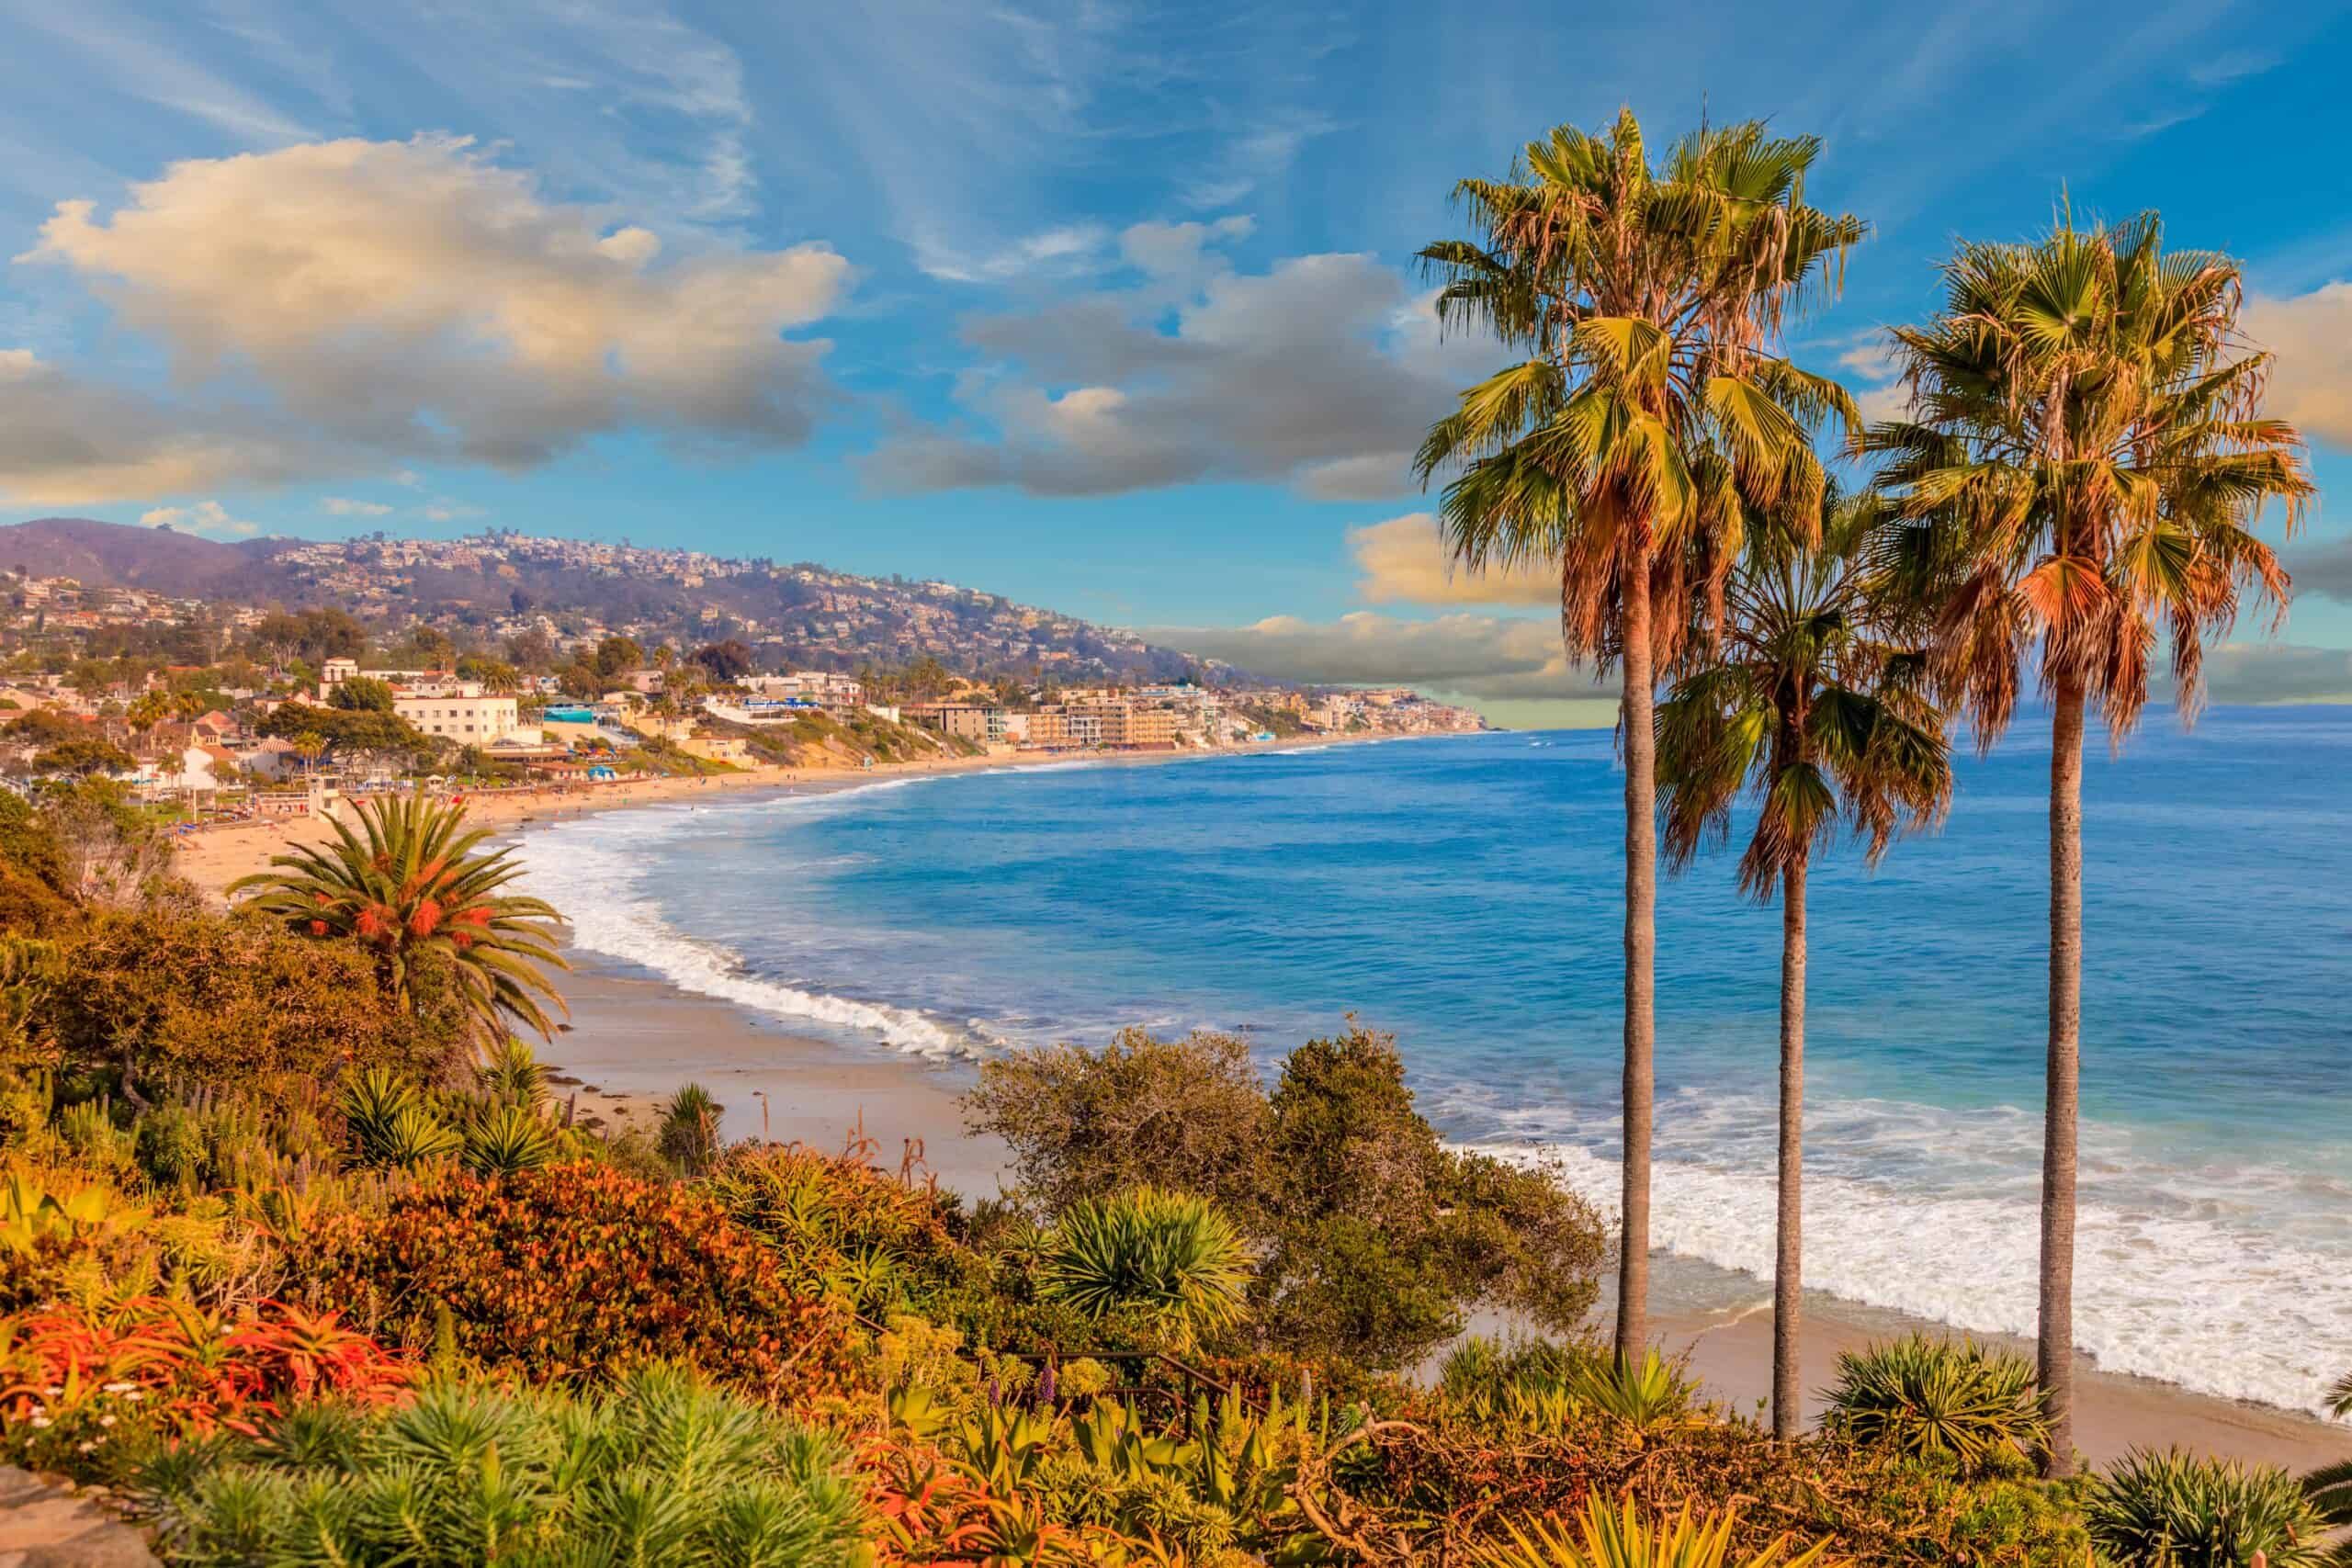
(475, 718)
(819, 686)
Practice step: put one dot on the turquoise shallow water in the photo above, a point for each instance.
(1463, 892)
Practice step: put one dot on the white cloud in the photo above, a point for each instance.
(357, 300)
(1489, 658)
(2311, 334)
(2277, 672)
(203, 517)
(343, 506)
(441, 509)
(65, 441)
(1404, 560)
(1324, 372)
(1067, 248)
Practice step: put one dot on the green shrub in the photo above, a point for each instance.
(1374, 1240)
(1935, 1398)
(571, 1270)
(226, 1000)
(664, 1472)
(2172, 1510)
(1168, 1254)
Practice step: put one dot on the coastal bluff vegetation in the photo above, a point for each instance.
(304, 1259)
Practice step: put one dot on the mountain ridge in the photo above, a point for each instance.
(810, 615)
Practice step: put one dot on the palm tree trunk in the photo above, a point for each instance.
(1641, 946)
(1788, 1268)
(2056, 1356)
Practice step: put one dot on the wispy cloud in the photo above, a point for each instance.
(203, 517)
(343, 506)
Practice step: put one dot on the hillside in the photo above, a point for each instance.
(160, 560)
(800, 615)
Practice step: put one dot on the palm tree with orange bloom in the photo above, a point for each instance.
(413, 886)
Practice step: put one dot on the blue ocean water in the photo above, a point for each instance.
(1463, 892)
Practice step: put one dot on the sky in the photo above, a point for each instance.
(1108, 308)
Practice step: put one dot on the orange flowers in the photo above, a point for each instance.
(170, 1362)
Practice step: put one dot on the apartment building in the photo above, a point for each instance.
(469, 718)
(983, 722)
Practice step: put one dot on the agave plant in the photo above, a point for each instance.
(1601, 1537)
(1166, 1252)
(1647, 1396)
(2174, 1510)
(413, 886)
(1938, 1398)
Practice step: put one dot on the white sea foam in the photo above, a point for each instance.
(592, 872)
(2168, 1290)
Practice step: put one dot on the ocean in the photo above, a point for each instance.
(1464, 893)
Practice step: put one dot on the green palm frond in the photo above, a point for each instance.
(1813, 702)
(1644, 295)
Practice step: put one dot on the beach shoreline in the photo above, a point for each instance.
(217, 856)
(633, 1037)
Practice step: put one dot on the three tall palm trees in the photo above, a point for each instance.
(2077, 480)
(1649, 409)
(2077, 477)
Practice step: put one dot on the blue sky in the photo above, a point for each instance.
(1106, 307)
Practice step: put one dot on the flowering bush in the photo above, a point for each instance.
(572, 1269)
(73, 1380)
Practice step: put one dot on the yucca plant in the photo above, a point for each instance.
(1602, 1537)
(664, 1471)
(1167, 1252)
(1935, 1398)
(391, 1125)
(2174, 1510)
(1646, 1396)
(505, 1139)
(690, 1138)
(511, 1074)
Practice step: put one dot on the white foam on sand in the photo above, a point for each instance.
(2165, 1285)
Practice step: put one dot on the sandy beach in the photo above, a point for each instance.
(632, 1039)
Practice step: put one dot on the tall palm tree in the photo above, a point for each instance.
(2083, 461)
(1813, 705)
(411, 887)
(1649, 402)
